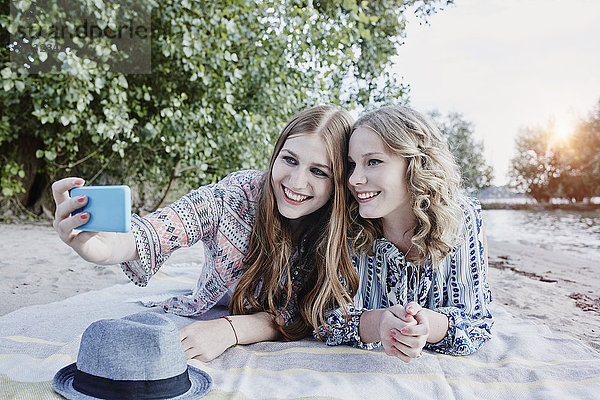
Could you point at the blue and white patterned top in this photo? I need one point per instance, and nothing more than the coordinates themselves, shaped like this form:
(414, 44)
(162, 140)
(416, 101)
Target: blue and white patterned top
(458, 288)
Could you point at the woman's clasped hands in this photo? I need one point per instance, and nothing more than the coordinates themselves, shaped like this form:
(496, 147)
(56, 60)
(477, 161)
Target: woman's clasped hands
(404, 331)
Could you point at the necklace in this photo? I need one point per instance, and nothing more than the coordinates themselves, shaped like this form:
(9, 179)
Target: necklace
(390, 237)
(409, 249)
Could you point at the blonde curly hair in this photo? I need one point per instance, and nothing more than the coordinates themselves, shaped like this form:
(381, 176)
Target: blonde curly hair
(433, 181)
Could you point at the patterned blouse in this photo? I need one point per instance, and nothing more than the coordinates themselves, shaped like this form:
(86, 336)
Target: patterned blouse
(221, 215)
(458, 288)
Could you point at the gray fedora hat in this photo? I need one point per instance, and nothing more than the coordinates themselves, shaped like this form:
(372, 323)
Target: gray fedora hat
(135, 357)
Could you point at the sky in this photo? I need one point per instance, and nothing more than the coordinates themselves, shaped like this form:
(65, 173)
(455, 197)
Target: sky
(505, 65)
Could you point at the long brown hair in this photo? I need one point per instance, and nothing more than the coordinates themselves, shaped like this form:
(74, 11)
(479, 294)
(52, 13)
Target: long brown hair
(267, 284)
(433, 180)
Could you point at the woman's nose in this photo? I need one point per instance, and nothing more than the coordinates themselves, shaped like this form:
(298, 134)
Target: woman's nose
(357, 177)
(299, 180)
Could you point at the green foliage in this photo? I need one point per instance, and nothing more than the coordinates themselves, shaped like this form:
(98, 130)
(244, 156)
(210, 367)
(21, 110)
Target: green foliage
(10, 176)
(534, 168)
(547, 166)
(476, 174)
(225, 77)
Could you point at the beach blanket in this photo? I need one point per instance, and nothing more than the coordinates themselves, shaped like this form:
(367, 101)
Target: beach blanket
(522, 361)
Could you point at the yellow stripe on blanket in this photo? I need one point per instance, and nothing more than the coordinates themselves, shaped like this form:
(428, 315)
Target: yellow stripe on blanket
(466, 360)
(508, 360)
(15, 390)
(53, 357)
(495, 386)
(26, 339)
(298, 371)
(310, 350)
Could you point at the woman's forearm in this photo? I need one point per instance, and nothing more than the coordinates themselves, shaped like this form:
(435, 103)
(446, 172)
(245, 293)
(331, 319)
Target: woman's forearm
(438, 325)
(254, 328)
(368, 327)
(206, 340)
(123, 248)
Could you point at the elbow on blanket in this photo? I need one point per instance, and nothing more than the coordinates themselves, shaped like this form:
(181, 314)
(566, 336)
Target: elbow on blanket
(464, 338)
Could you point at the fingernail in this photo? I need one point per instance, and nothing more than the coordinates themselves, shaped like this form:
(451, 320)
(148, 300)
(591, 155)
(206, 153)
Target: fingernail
(81, 199)
(404, 331)
(84, 215)
(79, 182)
(393, 332)
(409, 309)
(407, 316)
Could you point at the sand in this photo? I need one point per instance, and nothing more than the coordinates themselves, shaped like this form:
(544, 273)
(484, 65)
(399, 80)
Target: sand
(542, 285)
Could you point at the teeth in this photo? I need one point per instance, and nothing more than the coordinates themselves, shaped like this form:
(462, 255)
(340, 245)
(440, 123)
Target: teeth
(366, 195)
(294, 196)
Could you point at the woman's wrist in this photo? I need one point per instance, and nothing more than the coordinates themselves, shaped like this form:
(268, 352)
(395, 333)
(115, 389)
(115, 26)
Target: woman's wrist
(369, 327)
(252, 328)
(438, 325)
(231, 327)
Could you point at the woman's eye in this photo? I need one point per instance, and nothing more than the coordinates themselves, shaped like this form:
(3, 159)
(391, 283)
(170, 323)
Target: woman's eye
(319, 172)
(351, 166)
(373, 162)
(289, 160)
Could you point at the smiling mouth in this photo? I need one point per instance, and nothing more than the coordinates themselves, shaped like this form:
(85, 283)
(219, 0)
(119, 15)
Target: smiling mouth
(366, 196)
(293, 196)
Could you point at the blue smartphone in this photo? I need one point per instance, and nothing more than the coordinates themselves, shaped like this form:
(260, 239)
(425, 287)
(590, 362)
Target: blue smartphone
(109, 208)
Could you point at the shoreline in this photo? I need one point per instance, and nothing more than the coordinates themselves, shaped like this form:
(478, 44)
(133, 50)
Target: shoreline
(540, 206)
(544, 286)
(547, 287)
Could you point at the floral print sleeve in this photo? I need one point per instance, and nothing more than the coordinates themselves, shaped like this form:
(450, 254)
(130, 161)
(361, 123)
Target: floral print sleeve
(457, 288)
(338, 332)
(369, 296)
(461, 290)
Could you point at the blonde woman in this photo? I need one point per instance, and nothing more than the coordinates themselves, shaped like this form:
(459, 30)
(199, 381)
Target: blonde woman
(279, 235)
(418, 244)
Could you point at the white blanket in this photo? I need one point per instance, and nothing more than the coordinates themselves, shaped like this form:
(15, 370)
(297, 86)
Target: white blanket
(522, 361)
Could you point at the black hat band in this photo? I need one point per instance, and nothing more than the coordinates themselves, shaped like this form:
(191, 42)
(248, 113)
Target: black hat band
(105, 388)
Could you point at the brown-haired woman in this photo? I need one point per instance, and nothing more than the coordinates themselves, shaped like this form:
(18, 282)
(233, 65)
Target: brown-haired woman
(279, 235)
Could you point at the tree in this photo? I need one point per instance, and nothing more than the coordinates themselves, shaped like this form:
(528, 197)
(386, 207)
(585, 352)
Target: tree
(584, 156)
(476, 174)
(535, 168)
(225, 76)
(549, 166)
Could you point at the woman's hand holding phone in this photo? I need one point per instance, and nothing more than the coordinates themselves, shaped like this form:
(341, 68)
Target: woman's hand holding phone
(96, 247)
